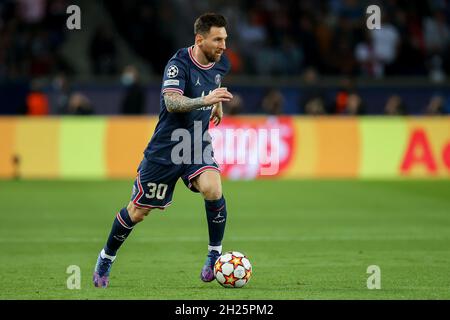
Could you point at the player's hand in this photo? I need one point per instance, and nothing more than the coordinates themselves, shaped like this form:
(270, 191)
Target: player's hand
(218, 95)
(216, 114)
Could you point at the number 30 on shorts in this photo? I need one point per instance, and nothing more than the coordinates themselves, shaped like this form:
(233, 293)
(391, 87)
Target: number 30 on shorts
(158, 190)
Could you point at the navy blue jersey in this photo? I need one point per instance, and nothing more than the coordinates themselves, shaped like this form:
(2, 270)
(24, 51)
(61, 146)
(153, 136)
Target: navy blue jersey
(185, 75)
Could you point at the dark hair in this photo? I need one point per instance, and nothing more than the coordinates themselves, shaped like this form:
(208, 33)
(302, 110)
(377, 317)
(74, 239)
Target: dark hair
(204, 23)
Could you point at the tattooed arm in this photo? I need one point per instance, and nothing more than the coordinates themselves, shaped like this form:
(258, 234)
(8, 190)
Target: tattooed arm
(175, 102)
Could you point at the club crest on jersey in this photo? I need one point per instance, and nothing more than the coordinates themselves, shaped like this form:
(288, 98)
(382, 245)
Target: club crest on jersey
(172, 71)
(218, 79)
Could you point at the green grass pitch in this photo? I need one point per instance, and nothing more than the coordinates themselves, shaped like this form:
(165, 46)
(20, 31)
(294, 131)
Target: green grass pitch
(305, 239)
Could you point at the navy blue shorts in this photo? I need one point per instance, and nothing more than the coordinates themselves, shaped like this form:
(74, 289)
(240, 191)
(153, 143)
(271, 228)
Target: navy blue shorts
(155, 182)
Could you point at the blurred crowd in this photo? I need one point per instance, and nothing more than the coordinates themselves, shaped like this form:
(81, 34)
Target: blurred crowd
(345, 101)
(31, 34)
(272, 37)
(307, 38)
(267, 37)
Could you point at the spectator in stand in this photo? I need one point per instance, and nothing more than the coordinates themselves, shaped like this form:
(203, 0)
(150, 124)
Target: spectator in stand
(365, 56)
(273, 102)
(341, 100)
(348, 101)
(270, 37)
(79, 104)
(385, 43)
(234, 106)
(63, 92)
(435, 106)
(31, 12)
(341, 59)
(235, 58)
(355, 105)
(437, 43)
(395, 106)
(133, 102)
(252, 36)
(37, 101)
(103, 52)
(436, 33)
(313, 101)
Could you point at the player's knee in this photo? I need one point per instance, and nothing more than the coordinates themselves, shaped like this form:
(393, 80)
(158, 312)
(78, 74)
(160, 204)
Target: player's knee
(137, 214)
(212, 193)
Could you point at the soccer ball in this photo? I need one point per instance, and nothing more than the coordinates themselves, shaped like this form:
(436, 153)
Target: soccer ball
(233, 269)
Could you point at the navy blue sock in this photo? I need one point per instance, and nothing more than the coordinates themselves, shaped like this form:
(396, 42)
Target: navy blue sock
(121, 228)
(216, 214)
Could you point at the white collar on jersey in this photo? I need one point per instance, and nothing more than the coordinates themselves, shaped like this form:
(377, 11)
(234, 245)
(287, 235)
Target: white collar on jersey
(198, 64)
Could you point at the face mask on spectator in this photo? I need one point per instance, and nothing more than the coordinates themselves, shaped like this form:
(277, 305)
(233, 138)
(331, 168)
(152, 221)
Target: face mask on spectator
(127, 79)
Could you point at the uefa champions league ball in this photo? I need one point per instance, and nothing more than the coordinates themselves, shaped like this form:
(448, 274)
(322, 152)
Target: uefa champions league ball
(233, 269)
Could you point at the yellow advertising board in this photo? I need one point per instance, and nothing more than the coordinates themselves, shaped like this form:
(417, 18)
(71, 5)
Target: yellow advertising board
(245, 147)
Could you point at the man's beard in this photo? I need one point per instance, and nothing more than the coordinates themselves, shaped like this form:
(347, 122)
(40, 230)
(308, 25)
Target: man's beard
(211, 57)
